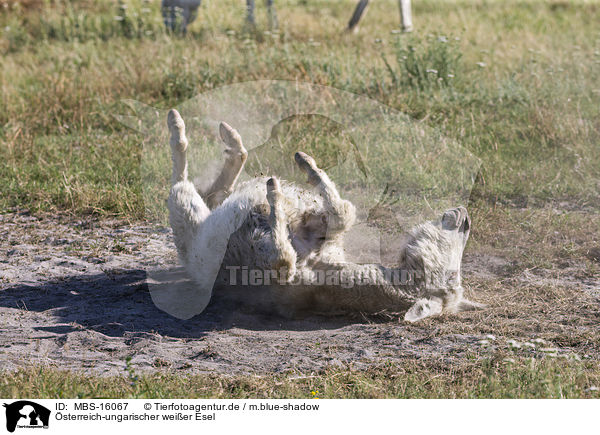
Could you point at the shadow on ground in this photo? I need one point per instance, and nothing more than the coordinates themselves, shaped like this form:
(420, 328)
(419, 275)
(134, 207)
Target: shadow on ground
(118, 303)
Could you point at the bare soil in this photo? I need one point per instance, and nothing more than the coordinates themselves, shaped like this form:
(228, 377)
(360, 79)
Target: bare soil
(73, 295)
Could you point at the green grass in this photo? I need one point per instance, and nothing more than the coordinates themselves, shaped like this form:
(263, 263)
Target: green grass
(530, 111)
(493, 378)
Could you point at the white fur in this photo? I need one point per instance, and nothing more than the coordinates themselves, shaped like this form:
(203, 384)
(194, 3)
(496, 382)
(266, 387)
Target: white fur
(297, 233)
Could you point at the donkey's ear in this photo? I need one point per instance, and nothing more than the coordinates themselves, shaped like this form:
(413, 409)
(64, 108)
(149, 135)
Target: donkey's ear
(423, 308)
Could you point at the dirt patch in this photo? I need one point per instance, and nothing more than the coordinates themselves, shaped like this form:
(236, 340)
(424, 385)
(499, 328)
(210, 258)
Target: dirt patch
(73, 295)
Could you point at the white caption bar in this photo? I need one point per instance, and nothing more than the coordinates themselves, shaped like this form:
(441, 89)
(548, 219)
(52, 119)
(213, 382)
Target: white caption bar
(23, 416)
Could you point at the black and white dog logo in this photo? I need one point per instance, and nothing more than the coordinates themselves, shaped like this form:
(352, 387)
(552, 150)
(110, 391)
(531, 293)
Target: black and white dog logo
(26, 414)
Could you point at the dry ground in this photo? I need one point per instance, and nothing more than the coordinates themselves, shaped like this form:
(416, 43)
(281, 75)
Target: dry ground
(73, 296)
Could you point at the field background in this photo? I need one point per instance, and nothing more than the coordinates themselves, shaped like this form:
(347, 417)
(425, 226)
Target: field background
(523, 95)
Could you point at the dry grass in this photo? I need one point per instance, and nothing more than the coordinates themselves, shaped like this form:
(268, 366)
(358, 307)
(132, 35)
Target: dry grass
(493, 378)
(532, 268)
(21, 4)
(531, 113)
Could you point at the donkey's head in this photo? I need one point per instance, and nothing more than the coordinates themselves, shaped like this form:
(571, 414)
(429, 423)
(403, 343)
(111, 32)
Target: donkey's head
(433, 255)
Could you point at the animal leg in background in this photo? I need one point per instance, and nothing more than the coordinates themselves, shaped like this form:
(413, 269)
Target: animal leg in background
(186, 9)
(273, 23)
(361, 7)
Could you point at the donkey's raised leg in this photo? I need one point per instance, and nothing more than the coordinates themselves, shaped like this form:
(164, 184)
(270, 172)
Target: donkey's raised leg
(187, 210)
(341, 213)
(283, 256)
(235, 158)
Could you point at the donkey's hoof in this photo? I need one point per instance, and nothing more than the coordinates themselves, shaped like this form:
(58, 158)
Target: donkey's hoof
(456, 218)
(307, 164)
(273, 184)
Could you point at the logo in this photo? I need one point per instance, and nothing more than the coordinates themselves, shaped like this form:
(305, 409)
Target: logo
(26, 414)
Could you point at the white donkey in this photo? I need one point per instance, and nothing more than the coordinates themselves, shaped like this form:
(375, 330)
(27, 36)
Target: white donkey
(283, 244)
